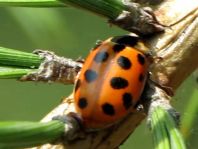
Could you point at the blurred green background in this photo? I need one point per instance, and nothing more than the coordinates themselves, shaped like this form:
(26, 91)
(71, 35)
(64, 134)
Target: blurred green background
(71, 33)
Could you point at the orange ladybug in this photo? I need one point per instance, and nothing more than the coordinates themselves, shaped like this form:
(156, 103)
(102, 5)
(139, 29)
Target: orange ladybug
(111, 81)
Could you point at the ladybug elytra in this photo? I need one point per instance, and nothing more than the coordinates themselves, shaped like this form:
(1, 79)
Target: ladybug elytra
(111, 81)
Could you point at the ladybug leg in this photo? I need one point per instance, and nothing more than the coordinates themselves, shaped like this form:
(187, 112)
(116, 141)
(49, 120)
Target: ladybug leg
(167, 89)
(139, 107)
(80, 60)
(97, 44)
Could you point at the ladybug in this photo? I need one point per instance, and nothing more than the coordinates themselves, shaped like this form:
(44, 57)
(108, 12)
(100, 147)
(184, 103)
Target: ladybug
(111, 81)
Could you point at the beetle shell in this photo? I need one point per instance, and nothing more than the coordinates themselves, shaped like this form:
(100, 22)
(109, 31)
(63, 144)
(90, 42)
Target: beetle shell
(110, 82)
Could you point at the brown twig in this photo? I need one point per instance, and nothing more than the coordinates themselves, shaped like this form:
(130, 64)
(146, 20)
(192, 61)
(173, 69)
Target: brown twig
(54, 69)
(178, 59)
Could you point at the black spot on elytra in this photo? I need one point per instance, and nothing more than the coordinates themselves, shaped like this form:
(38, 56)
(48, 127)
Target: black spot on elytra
(124, 62)
(118, 47)
(101, 57)
(118, 83)
(141, 77)
(77, 85)
(127, 100)
(82, 103)
(125, 40)
(90, 75)
(141, 59)
(108, 109)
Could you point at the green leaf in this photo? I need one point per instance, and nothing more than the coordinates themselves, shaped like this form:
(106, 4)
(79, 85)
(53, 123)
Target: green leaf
(12, 72)
(107, 8)
(12, 57)
(32, 3)
(166, 135)
(14, 63)
(28, 134)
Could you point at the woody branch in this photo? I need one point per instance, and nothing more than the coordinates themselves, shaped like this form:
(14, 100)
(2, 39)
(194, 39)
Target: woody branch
(177, 50)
